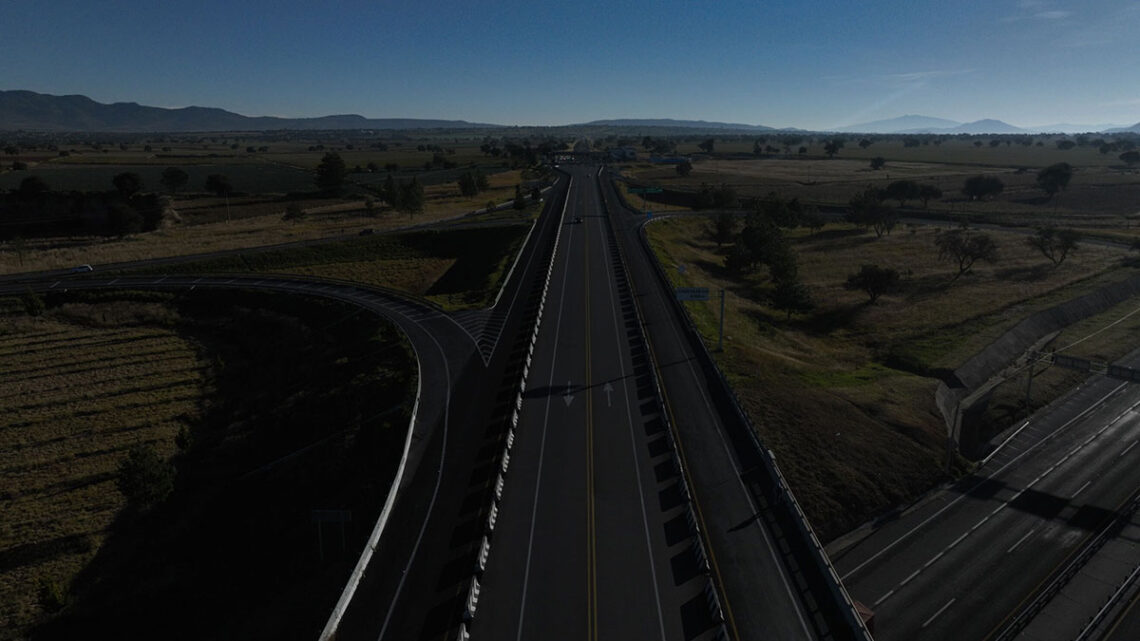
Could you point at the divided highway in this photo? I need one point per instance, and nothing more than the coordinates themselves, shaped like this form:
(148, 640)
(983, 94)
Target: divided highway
(963, 564)
(632, 508)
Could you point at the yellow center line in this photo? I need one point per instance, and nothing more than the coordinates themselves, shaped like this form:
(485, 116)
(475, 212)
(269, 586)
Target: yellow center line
(591, 538)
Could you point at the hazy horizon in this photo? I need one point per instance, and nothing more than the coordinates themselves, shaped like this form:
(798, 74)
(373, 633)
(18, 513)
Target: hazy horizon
(829, 66)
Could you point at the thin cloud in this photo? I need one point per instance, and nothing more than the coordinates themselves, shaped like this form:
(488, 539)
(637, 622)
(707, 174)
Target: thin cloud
(1052, 15)
(1037, 10)
(1130, 102)
(922, 76)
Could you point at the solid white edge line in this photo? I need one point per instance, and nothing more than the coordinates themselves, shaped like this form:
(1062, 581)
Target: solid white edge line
(546, 417)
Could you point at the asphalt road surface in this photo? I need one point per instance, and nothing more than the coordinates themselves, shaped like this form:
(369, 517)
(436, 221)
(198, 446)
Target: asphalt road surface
(592, 539)
(960, 565)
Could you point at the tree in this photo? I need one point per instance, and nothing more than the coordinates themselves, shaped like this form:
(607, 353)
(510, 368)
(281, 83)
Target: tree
(370, 206)
(481, 181)
(979, 187)
(145, 479)
(1055, 178)
(1065, 145)
(520, 201)
(390, 192)
(331, 173)
(878, 162)
(467, 185)
(723, 228)
(812, 219)
(873, 280)
(32, 186)
(33, 304)
(864, 143)
(1054, 244)
(174, 179)
(684, 168)
(902, 191)
(1130, 157)
(867, 209)
(792, 296)
(123, 220)
(926, 193)
(832, 147)
(965, 248)
(127, 183)
(411, 198)
(708, 145)
(219, 184)
(293, 213)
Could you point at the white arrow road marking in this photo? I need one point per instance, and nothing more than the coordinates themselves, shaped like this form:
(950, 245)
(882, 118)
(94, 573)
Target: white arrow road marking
(568, 397)
(608, 389)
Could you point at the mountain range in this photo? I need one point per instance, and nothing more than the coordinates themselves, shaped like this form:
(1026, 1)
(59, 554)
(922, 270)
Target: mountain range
(913, 124)
(31, 111)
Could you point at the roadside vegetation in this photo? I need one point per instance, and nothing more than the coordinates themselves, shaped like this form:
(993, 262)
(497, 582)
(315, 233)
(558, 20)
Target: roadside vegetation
(71, 202)
(161, 455)
(456, 268)
(837, 337)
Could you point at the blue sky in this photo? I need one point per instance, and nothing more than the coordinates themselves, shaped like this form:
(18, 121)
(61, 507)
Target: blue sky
(809, 63)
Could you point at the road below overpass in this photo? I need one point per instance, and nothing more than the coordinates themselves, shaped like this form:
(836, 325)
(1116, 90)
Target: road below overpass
(963, 563)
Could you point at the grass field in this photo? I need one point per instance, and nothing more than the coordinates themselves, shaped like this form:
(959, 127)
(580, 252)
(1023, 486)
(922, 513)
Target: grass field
(1104, 194)
(255, 222)
(845, 395)
(456, 268)
(80, 387)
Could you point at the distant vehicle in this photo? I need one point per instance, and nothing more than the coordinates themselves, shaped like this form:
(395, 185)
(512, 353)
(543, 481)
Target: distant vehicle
(366, 232)
(79, 269)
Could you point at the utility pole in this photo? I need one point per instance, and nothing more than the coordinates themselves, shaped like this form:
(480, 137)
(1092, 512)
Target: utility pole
(720, 340)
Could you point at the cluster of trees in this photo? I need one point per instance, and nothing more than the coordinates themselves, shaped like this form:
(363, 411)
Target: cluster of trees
(472, 183)
(761, 243)
(33, 209)
(407, 197)
(716, 197)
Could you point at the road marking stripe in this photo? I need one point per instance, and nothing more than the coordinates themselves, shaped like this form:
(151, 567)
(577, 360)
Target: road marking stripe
(1130, 446)
(1021, 540)
(957, 540)
(542, 442)
(906, 535)
(1081, 489)
(910, 578)
(940, 611)
(882, 598)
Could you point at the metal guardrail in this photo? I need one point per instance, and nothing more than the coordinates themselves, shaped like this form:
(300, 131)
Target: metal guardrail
(1062, 577)
(804, 529)
(472, 601)
(713, 598)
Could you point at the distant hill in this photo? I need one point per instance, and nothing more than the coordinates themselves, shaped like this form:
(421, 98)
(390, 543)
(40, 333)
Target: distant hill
(1134, 129)
(669, 122)
(31, 111)
(1070, 128)
(898, 125)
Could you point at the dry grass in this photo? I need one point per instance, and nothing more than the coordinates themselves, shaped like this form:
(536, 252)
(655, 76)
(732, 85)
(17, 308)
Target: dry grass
(845, 395)
(326, 218)
(1102, 194)
(79, 388)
